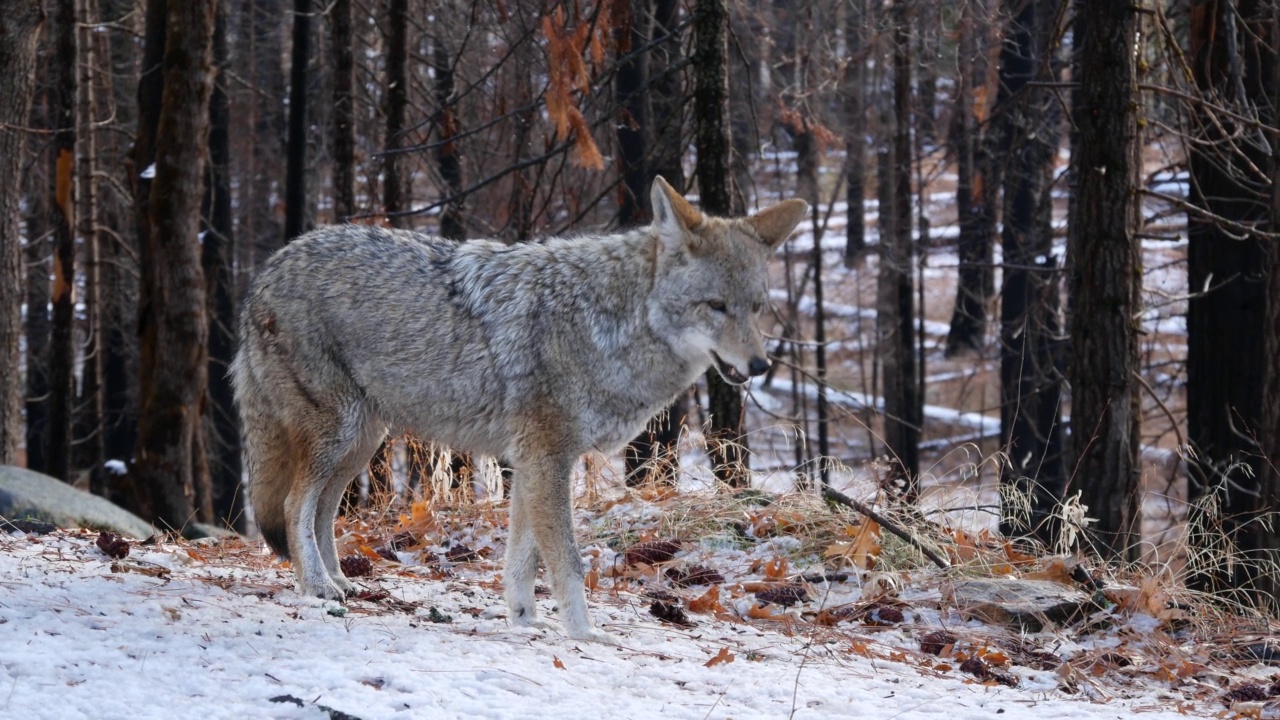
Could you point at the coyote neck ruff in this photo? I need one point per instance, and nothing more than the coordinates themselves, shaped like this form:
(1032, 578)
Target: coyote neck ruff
(534, 353)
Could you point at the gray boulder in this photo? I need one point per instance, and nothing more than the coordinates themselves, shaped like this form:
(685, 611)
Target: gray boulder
(27, 494)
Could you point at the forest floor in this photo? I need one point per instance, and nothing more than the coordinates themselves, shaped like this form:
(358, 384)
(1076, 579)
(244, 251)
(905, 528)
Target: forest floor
(723, 606)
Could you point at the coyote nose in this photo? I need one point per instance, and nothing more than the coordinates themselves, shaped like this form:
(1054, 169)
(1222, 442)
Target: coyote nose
(758, 366)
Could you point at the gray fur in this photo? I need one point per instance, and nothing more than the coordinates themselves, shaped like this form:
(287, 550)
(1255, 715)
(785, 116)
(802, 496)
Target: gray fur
(534, 352)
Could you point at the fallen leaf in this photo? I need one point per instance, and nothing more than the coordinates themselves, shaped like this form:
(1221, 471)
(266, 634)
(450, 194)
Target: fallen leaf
(708, 602)
(724, 656)
(556, 661)
(776, 569)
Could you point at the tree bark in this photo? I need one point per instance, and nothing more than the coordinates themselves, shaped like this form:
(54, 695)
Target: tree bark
(726, 443)
(397, 94)
(295, 182)
(903, 411)
(1105, 278)
(222, 430)
(974, 186)
(853, 87)
(1030, 376)
(90, 425)
(1226, 318)
(18, 34)
(344, 130)
(174, 327)
(62, 344)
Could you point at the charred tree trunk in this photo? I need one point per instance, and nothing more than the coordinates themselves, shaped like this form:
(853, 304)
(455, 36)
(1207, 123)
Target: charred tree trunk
(903, 409)
(18, 34)
(295, 181)
(397, 94)
(62, 344)
(1030, 376)
(1105, 279)
(222, 431)
(37, 276)
(1226, 319)
(447, 157)
(974, 186)
(90, 430)
(727, 443)
(344, 129)
(854, 90)
(1268, 584)
(174, 327)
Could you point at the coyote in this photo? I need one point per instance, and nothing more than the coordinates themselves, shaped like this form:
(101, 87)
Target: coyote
(534, 353)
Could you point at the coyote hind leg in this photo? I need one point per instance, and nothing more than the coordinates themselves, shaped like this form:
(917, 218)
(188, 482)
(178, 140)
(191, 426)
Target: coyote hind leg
(365, 446)
(334, 443)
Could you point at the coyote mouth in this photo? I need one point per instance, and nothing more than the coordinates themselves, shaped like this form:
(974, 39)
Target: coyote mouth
(727, 371)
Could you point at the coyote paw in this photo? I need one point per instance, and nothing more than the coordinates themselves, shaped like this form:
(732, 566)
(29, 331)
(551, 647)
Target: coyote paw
(325, 589)
(344, 585)
(592, 635)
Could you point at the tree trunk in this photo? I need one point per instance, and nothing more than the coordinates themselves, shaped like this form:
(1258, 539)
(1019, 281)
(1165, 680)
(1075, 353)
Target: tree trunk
(1226, 317)
(37, 276)
(174, 328)
(18, 34)
(968, 331)
(91, 422)
(344, 130)
(903, 409)
(1269, 495)
(62, 344)
(726, 443)
(1030, 376)
(217, 252)
(295, 181)
(447, 157)
(1105, 279)
(397, 99)
(854, 89)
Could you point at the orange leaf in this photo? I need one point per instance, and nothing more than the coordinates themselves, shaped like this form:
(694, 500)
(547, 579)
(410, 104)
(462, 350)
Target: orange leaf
(592, 580)
(369, 552)
(709, 602)
(195, 555)
(556, 661)
(758, 612)
(724, 656)
(776, 569)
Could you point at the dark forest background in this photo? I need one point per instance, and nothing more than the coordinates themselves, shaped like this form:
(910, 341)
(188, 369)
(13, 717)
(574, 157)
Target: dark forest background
(1006, 168)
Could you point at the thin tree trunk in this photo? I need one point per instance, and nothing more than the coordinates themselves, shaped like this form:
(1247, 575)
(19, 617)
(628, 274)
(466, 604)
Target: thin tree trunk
(18, 34)
(1105, 279)
(1030, 376)
(397, 94)
(91, 423)
(217, 252)
(1226, 324)
(295, 183)
(854, 90)
(37, 281)
(1268, 584)
(974, 285)
(726, 443)
(344, 130)
(902, 402)
(62, 345)
(175, 329)
(447, 155)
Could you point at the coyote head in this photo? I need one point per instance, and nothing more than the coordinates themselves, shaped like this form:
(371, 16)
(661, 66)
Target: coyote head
(710, 280)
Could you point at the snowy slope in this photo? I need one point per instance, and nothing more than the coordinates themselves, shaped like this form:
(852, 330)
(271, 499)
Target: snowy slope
(221, 633)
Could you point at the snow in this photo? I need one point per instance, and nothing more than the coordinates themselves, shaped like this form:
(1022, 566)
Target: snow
(221, 635)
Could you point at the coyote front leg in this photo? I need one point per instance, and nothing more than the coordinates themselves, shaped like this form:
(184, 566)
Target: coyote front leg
(547, 504)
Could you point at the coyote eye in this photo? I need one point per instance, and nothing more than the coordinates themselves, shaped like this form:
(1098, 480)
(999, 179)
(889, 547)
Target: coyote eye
(756, 308)
(718, 306)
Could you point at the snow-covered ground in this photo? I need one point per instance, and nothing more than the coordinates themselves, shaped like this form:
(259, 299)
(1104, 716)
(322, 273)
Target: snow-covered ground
(216, 631)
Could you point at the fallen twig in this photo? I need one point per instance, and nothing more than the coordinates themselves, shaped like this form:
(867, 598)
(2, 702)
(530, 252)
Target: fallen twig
(836, 496)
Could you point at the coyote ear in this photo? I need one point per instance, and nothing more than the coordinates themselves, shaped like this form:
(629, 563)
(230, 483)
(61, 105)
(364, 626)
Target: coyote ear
(673, 216)
(775, 223)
